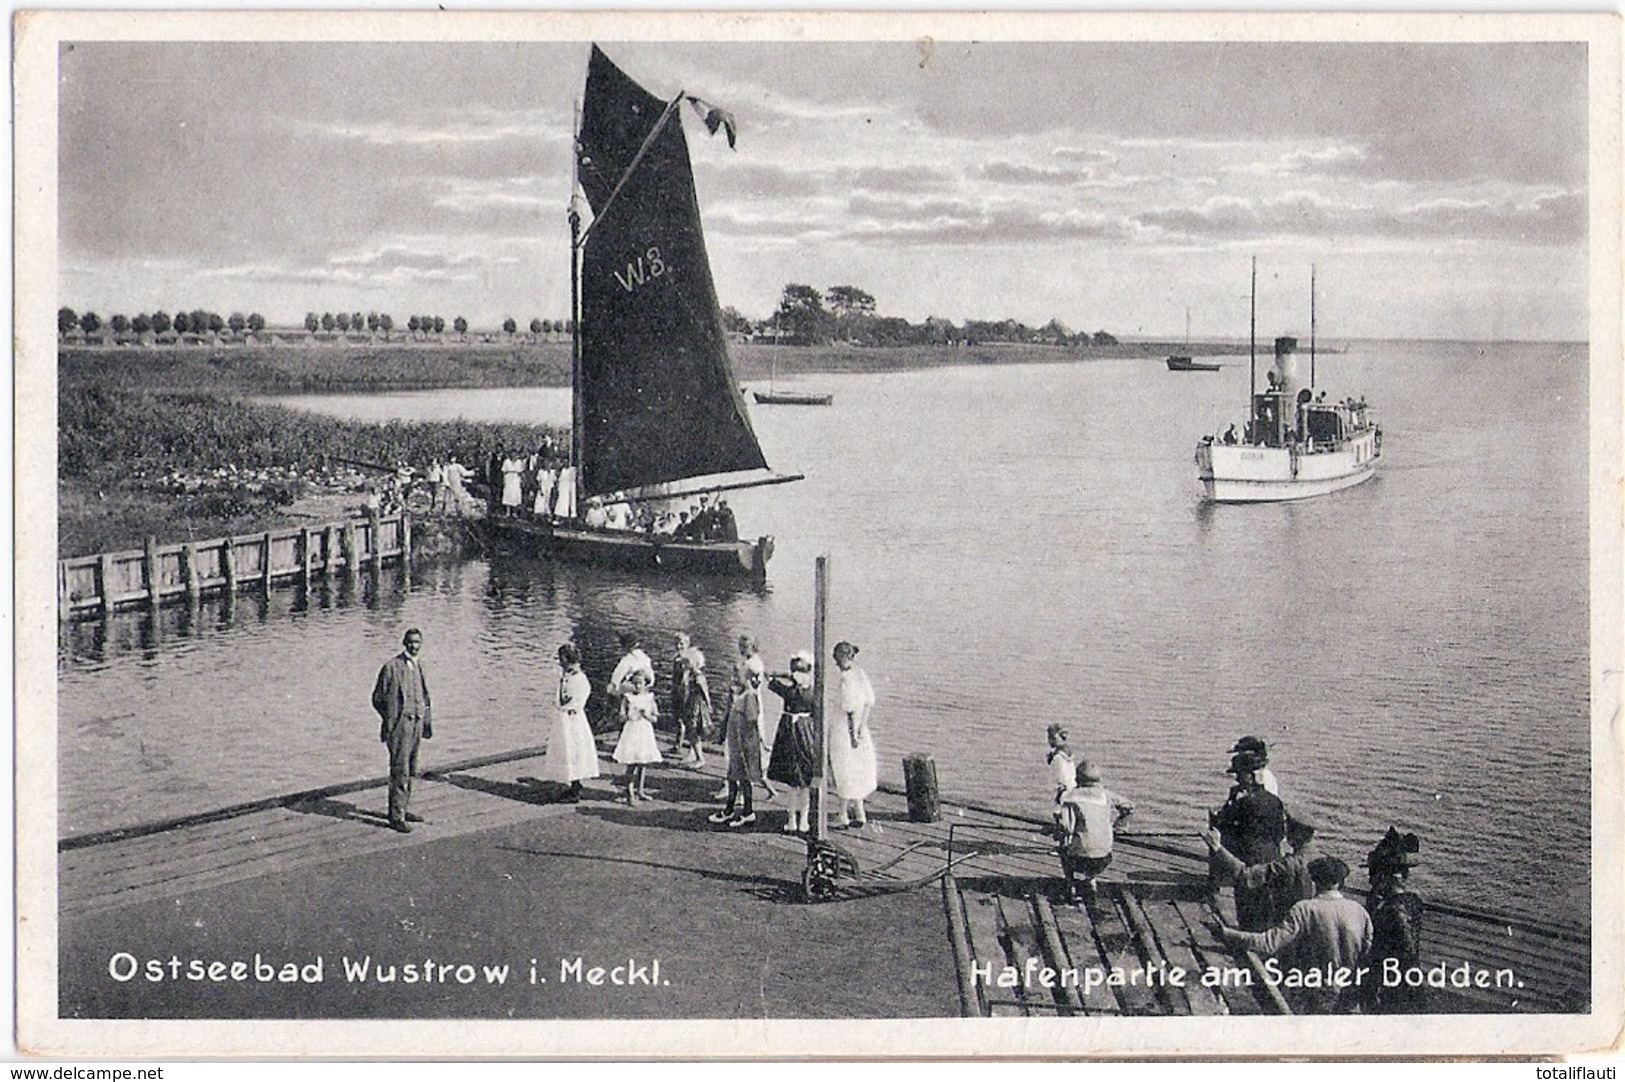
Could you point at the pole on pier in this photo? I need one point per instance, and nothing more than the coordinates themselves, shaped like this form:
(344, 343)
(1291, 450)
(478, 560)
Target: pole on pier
(820, 637)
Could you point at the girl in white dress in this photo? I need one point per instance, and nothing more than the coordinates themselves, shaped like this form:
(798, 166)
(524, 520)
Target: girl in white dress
(513, 468)
(571, 754)
(637, 748)
(851, 745)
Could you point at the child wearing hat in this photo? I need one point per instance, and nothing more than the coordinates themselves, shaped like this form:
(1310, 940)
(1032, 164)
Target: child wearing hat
(1086, 819)
(1063, 767)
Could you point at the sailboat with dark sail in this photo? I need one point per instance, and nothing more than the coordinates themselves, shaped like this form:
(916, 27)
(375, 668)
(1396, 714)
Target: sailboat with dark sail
(657, 411)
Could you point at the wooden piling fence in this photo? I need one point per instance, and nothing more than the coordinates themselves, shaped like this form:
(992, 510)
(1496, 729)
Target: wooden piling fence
(158, 574)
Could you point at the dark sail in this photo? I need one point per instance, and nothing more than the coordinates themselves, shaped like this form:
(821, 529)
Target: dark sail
(658, 398)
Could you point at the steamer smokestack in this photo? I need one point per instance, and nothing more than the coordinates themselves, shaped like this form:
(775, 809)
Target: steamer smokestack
(1286, 366)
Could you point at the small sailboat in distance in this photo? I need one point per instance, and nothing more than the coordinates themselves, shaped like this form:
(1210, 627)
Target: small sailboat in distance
(657, 409)
(1295, 444)
(1182, 362)
(775, 397)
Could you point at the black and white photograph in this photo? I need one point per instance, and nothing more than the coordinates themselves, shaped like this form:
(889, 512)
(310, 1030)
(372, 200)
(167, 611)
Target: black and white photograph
(782, 536)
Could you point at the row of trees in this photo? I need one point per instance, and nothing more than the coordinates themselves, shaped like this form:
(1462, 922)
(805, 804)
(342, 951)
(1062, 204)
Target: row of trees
(805, 316)
(196, 321)
(846, 313)
(199, 321)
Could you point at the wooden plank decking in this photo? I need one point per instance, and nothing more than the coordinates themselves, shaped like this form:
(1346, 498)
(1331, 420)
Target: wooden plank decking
(999, 897)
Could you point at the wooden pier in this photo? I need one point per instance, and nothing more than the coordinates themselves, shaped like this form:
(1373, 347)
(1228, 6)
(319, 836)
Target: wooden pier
(160, 574)
(997, 876)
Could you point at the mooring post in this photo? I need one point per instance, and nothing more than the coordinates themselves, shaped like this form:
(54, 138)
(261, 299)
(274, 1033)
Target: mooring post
(149, 571)
(351, 557)
(189, 571)
(265, 567)
(305, 536)
(375, 528)
(104, 577)
(920, 783)
(330, 545)
(406, 538)
(228, 566)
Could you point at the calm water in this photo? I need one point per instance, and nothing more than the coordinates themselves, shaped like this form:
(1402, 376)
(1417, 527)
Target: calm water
(1010, 546)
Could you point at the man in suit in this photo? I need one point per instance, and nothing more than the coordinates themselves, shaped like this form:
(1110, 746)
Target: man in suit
(401, 698)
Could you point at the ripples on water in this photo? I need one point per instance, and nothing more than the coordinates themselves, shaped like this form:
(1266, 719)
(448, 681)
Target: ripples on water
(1010, 546)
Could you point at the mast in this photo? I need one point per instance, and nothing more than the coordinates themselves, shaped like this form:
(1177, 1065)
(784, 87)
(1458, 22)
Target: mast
(1311, 326)
(576, 413)
(1252, 344)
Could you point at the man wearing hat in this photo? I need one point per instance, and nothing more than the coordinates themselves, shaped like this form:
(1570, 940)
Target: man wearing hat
(1328, 932)
(1260, 752)
(1396, 923)
(1282, 882)
(1085, 819)
(1251, 826)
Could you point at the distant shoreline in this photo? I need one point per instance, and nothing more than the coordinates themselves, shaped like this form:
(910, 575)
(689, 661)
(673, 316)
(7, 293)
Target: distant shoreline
(385, 367)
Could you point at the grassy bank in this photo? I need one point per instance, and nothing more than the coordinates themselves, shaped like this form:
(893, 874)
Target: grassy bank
(317, 369)
(134, 464)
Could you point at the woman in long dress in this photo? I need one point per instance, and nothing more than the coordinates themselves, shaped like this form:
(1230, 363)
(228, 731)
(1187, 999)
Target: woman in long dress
(851, 744)
(795, 759)
(572, 756)
(513, 468)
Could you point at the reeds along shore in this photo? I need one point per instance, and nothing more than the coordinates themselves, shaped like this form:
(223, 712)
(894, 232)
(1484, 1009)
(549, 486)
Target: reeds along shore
(134, 465)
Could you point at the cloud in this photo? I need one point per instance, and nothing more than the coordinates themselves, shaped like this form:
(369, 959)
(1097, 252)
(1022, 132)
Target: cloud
(441, 128)
(1543, 217)
(1008, 172)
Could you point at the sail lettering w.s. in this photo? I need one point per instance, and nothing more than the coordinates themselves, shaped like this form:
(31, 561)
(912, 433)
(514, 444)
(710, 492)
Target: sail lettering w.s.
(646, 266)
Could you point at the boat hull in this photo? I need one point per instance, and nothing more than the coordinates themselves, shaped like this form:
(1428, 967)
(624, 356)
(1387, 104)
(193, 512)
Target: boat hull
(1185, 364)
(1242, 474)
(633, 551)
(791, 398)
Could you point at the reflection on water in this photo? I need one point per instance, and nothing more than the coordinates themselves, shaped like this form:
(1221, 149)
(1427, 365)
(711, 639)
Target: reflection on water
(1009, 546)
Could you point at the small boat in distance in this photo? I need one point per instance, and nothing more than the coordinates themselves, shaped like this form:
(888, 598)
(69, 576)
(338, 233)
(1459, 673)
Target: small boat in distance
(792, 398)
(775, 397)
(1295, 444)
(658, 413)
(1182, 362)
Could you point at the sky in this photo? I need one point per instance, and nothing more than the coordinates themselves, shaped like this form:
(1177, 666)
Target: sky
(1438, 190)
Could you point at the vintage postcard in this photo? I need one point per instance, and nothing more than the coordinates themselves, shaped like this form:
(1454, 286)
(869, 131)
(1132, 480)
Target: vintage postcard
(784, 536)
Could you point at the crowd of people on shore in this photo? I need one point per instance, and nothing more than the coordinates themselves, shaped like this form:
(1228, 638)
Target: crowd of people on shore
(1287, 893)
(761, 747)
(1289, 904)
